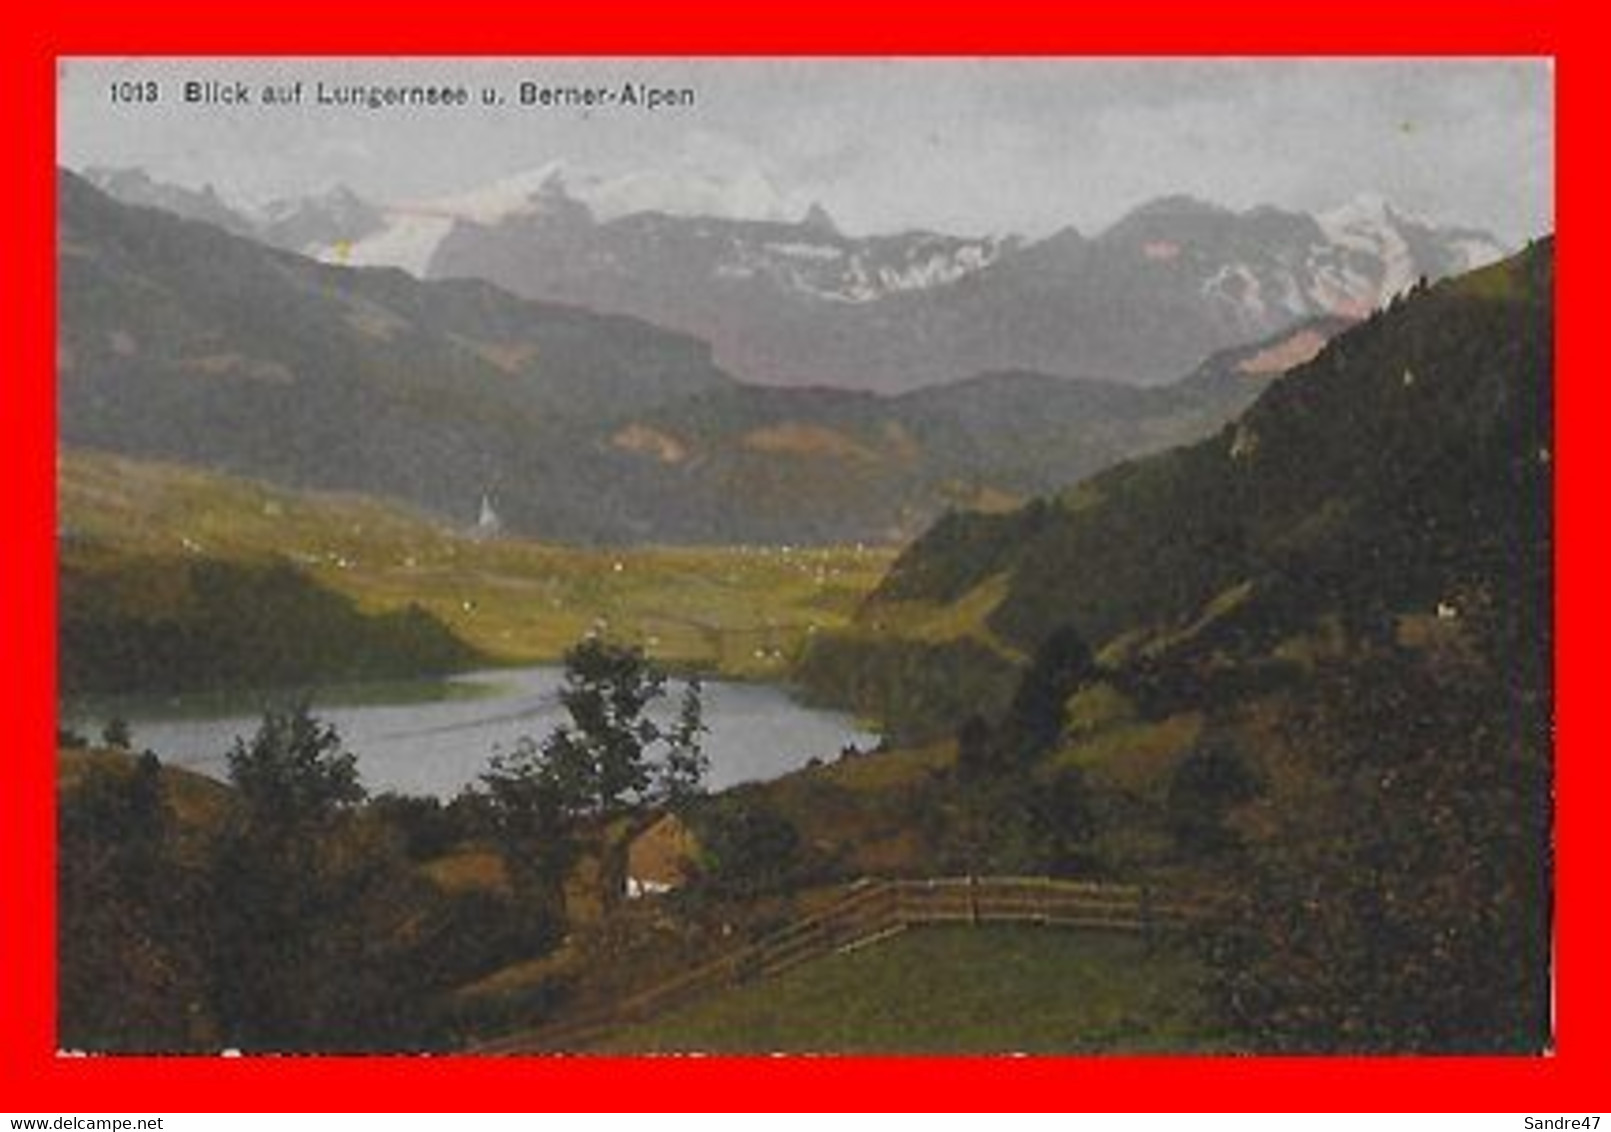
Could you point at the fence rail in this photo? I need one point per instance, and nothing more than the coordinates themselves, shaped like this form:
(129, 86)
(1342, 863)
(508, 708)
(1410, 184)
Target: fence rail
(869, 912)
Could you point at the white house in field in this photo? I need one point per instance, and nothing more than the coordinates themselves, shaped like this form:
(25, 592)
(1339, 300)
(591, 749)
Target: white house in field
(658, 859)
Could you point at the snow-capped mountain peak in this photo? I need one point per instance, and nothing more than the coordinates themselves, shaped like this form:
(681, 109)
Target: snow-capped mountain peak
(1406, 245)
(1367, 224)
(335, 197)
(747, 194)
(1361, 220)
(731, 257)
(1371, 207)
(507, 196)
(1367, 206)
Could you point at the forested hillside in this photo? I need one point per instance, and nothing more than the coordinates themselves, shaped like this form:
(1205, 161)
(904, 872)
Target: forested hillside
(1403, 470)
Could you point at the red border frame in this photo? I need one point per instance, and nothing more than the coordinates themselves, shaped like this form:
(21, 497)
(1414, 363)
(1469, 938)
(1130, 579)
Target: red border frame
(30, 1072)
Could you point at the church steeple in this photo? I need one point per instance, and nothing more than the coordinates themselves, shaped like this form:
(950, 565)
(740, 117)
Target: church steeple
(487, 524)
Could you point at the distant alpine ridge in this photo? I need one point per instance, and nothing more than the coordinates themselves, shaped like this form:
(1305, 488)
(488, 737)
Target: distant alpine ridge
(786, 298)
(182, 342)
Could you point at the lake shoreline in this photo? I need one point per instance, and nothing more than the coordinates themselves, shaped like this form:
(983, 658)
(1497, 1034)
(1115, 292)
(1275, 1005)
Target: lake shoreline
(434, 736)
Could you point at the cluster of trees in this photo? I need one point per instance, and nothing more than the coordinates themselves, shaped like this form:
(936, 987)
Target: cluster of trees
(131, 969)
(297, 916)
(1396, 896)
(153, 623)
(918, 690)
(1375, 837)
(286, 914)
(597, 781)
(1006, 810)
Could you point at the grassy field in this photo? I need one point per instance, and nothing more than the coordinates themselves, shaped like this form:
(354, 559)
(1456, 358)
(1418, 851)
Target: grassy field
(743, 611)
(955, 991)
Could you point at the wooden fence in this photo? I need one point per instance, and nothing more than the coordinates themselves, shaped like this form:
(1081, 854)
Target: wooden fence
(869, 912)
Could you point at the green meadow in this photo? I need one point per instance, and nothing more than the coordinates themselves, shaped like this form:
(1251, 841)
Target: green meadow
(741, 611)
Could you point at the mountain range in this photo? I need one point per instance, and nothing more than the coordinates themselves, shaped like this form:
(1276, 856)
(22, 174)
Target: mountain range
(789, 299)
(182, 340)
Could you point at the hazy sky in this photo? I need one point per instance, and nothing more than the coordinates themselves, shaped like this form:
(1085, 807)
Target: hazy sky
(964, 145)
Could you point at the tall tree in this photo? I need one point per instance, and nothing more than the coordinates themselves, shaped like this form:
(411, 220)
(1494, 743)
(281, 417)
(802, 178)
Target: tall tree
(598, 776)
(294, 774)
(978, 752)
(686, 764)
(290, 879)
(532, 795)
(1035, 718)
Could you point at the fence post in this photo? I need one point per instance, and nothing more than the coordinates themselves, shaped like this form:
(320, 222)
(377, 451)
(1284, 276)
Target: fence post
(1148, 914)
(973, 900)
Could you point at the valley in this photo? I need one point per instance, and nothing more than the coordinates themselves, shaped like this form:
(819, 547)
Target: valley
(183, 343)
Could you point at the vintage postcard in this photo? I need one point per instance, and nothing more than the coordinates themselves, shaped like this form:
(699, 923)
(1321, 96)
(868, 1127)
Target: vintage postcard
(949, 556)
